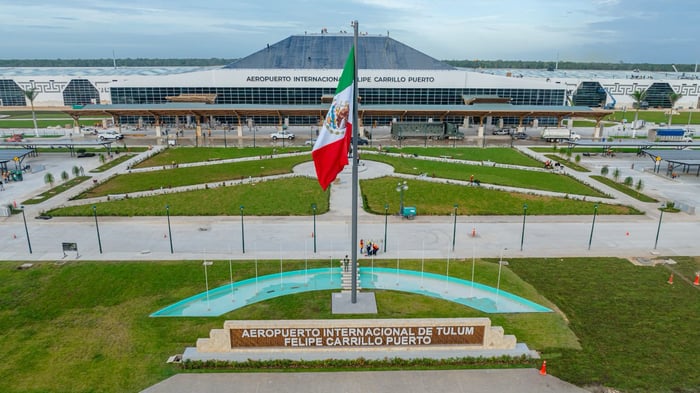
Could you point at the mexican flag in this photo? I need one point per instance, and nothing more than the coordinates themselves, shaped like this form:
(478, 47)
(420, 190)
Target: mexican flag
(330, 152)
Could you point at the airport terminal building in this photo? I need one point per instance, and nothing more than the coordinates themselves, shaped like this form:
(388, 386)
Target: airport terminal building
(303, 71)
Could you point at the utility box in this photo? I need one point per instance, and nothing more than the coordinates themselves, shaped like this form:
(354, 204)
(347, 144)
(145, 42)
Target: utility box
(409, 212)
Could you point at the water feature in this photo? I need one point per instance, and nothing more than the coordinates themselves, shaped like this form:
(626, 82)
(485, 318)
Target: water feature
(253, 290)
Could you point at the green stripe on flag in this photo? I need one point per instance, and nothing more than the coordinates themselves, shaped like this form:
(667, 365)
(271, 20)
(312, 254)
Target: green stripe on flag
(348, 75)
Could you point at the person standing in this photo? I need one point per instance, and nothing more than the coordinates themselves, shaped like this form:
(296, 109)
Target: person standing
(362, 246)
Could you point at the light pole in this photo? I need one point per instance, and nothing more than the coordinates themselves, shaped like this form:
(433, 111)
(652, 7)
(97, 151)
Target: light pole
(522, 236)
(658, 228)
(454, 227)
(97, 227)
(313, 207)
(227, 128)
(498, 281)
(595, 212)
(242, 231)
(206, 280)
(386, 215)
(170, 234)
(24, 218)
(400, 188)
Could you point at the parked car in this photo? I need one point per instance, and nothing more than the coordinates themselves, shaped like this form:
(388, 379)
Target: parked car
(15, 138)
(502, 131)
(520, 135)
(110, 135)
(310, 142)
(282, 135)
(361, 141)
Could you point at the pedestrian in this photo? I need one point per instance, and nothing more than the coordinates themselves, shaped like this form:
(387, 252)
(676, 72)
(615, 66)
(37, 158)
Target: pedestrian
(375, 248)
(369, 247)
(346, 263)
(2, 186)
(362, 246)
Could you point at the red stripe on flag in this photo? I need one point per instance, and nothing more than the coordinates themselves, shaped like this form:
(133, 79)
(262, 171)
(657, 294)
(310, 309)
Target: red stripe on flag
(330, 159)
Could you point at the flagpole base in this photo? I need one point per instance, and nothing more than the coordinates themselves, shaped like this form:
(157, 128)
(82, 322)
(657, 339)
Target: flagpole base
(341, 303)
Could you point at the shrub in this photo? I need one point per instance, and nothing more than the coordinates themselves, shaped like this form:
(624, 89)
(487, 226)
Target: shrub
(604, 170)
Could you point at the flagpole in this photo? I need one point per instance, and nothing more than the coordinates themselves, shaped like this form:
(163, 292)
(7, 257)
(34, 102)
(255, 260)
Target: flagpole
(355, 187)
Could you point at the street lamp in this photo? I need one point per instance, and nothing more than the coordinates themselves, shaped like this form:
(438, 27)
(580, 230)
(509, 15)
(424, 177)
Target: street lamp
(595, 212)
(24, 218)
(658, 228)
(400, 188)
(206, 280)
(170, 234)
(97, 227)
(498, 281)
(313, 207)
(454, 227)
(227, 128)
(386, 215)
(522, 236)
(242, 231)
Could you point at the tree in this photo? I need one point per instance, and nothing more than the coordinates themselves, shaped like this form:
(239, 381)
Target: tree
(616, 174)
(639, 186)
(49, 179)
(604, 170)
(31, 94)
(76, 171)
(629, 181)
(64, 176)
(638, 96)
(577, 158)
(673, 98)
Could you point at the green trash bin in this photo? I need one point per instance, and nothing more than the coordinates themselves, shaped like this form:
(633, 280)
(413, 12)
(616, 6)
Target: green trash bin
(409, 212)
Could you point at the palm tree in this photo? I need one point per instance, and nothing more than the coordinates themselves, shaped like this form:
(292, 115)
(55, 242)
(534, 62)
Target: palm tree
(639, 96)
(673, 98)
(31, 94)
(49, 179)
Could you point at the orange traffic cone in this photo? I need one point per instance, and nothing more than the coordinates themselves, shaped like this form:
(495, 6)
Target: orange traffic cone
(543, 369)
(670, 279)
(697, 279)
(627, 233)
(312, 234)
(473, 232)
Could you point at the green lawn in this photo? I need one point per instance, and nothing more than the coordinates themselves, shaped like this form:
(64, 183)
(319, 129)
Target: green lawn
(183, 155)
(438, 199)
(624, 189)
(638, 333)
(56, 190)
(175, 177)
(521, 178)
(283, 197)
(500, 155)
(84, 326)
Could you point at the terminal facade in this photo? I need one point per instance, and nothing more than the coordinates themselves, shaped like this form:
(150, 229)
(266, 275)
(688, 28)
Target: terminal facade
(304, 70)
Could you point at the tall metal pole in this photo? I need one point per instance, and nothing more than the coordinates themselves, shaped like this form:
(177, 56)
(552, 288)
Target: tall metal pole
(658, 229)
(454, 228)
(206, 280)
(313, 207)
(242, 231)
(24, 218)
(97, 227)
(522, 236)
(590, 238)
(386, 215)
(170, 234)
(355, 187)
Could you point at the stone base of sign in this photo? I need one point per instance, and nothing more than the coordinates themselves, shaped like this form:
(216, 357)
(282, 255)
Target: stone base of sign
(438, 338)
(341, 303)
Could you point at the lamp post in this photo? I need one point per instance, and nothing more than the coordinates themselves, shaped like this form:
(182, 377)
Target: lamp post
(24, 218)
(313, 207)
(242, 231)
(454, 227)
(206, 280)
(97, 227)
(522, 236)
(595, 212)
(658, 228)
(170, 234)
(400, 188)
(227, 128)
(386, 215)
(498, 281)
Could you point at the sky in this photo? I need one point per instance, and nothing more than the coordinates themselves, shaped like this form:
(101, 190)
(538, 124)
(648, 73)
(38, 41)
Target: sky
(630, 31)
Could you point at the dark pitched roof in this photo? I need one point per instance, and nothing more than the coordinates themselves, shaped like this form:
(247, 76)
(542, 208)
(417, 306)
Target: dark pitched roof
(329, 51)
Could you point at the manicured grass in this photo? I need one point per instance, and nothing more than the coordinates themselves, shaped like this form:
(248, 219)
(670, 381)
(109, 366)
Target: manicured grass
(566, 163)
(492, 154)
(490, 175)
(183, 155)
(438, 199)
(638, 333)
(112, 163)
(56, 190)
(282, 197)
(175, 177)
(84, 326)
(655, 116)
(624, 189)
(41, 123)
